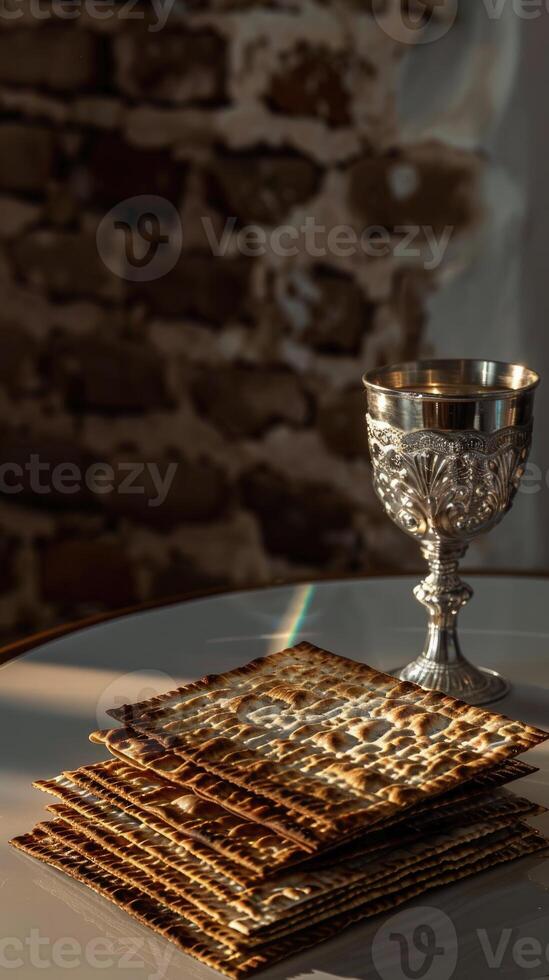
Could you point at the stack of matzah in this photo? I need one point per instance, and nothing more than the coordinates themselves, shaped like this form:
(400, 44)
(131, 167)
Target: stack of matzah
(253, 814)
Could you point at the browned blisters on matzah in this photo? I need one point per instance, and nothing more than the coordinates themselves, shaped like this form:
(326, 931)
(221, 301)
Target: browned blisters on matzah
(175, 845)
(299, 893)
(188, 937)
(295, 894)
(136, 748)
(110, 781)
(247, 842)
(118, 832)
(189, 876)
(136, 877)
(335, 737)
(95, 806)
(281, 895)
(491, 779)
(213, 894)
(386, 877)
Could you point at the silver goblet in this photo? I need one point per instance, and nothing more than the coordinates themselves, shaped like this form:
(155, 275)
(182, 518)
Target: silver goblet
(449, 442)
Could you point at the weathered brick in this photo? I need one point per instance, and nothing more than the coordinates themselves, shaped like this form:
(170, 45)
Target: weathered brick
(411, 288)
(30, 103)
(195, 491)
(99, 111)
(293, 130)
(244, 402)
(8, 557)
(340, 315)
(26, 157)
(108, 376)
(210, 288)
(43, 473)
(184, 575)
(62, 208)
(17, 215)
(260, 187)
(341, 423)
(58, 58)
(181, 66)
(414, 187)
(189, 131)
(65, 264)
(84, 573)
(312, 82)
(304, 522)
(118, 170)
(236, 535)
(18, 352)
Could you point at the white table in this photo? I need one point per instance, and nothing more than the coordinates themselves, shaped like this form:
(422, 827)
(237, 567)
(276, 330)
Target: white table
(52, 697)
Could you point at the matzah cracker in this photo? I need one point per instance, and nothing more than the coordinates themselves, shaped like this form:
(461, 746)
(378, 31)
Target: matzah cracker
(167, 840)
(316, 913)
(139, 750)
(182, 932)
(297, 894)
(135, 748)
(139, 878)
(385, 878)
(96, 816)
(236, 839)
(326, 735)
(187, 937)
(115, 831)
(118, 833)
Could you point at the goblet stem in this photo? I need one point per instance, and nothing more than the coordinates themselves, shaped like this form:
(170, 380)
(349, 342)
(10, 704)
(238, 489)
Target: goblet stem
(443, 593)
(442, 665)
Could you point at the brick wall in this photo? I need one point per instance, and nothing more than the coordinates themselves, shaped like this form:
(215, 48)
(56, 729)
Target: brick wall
(242, 370)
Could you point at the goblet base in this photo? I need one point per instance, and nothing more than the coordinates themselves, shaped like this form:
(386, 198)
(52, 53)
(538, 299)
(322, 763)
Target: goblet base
(475, 685)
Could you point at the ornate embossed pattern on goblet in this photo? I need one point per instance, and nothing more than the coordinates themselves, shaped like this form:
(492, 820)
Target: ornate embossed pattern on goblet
(449, 441)
(449, 484)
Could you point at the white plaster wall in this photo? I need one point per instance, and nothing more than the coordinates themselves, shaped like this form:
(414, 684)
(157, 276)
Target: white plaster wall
(494, 76)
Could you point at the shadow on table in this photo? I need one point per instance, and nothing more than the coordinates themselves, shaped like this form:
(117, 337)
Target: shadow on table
(35, 741)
